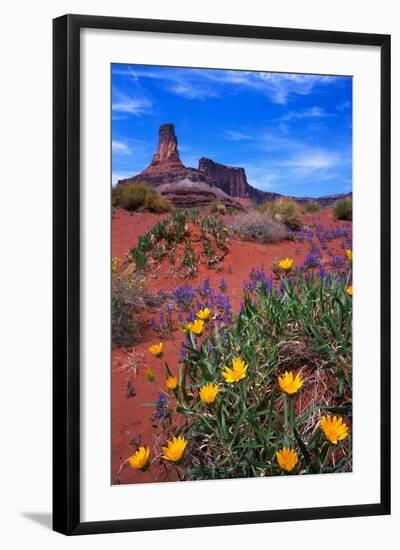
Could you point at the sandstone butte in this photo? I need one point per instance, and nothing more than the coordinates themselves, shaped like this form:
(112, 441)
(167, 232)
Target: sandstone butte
(212, 181)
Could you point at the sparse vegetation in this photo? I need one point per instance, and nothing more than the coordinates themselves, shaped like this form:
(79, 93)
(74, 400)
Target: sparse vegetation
(343, 209)
(312, 206)
(258, 226)
(218, 208)
(133, 196)
(283, 210)
(128, 296)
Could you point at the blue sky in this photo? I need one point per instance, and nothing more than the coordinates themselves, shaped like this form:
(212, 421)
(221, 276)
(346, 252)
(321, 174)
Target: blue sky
(291, 132)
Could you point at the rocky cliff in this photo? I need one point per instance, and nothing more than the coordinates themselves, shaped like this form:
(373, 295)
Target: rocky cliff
(233, 181)
(166, 168)
(166, 165)
(230, 179)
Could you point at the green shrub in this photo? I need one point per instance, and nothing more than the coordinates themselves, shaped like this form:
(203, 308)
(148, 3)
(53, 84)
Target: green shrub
(154, 203)
(128, 295)
(258, 226)
(136, 195)
(343, 209)
(218, 208)
(312, 206)
(284, 210)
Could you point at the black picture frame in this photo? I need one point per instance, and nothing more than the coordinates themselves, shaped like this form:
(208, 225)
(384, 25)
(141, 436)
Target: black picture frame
(66, 272)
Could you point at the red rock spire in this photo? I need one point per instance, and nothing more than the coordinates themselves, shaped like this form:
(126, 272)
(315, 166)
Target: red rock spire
(167, 155)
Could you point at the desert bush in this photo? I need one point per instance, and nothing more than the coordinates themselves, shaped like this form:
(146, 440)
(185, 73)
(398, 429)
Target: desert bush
(218, 208)
(131, 196)
(284, 210)
(312, 206)
(343, 209)
(154, 203)
(136, 195)
(258, 226)
(128, 296)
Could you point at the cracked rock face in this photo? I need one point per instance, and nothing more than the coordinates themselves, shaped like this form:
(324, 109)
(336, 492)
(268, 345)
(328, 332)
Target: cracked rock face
(230, 179)
(167, 154)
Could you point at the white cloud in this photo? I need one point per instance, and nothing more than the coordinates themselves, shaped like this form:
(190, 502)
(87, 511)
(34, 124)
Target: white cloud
(312, 112)
(190, 90)
(121, 147)
(311, 160)
(280, 88)
(136, 106)
(235, 135)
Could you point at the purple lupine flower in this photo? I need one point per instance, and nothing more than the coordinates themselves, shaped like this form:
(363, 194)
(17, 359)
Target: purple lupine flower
(222, 285)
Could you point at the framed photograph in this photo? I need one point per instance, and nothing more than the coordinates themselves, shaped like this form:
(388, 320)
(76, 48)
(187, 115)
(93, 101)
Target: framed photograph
(221, 274)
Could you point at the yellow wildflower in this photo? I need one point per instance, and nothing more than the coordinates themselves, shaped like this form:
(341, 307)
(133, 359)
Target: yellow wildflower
(196, 327)
(171, 382)
(237, 372)
(204, 314)
(174, 449)
(287, 459)
(349, 254)
(208, 393)
(349, 290)
(286, 264)
(334, 429)
(140, 459)
(156, 349)
(290, 385)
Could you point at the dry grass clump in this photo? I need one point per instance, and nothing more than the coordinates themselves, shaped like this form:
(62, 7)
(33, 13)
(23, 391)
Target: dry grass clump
(258, 226)
(133, 196)
(312, 206)
(343, 209)
(283, 210)
(218, 208)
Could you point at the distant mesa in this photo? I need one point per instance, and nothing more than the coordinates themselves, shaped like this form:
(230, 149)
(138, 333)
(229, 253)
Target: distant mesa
(189, 187)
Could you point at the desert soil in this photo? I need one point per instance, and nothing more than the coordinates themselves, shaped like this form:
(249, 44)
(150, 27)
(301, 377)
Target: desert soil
(130, 419)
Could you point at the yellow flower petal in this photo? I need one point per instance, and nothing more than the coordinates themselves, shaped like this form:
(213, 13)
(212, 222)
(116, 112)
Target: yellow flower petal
(140, 459)
(287, 459)
(334, 428)
(156, 349)
(286, 264)
(349, 290)
(196, 327)
(171, 382)
(208, 393)
(174, 449)
(290, 384)
(237, 372)
(204, 314)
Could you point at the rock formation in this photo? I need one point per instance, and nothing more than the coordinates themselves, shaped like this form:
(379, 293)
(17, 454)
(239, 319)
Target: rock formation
(214, 181)
(228, 178)
(167, 156)
(189, 194)
(233, 181)
(166, 166)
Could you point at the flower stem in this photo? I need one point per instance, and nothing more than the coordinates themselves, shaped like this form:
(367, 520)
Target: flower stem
(291, 419)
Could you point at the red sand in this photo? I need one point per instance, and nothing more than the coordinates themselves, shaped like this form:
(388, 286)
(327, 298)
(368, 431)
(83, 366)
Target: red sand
(130, 419)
